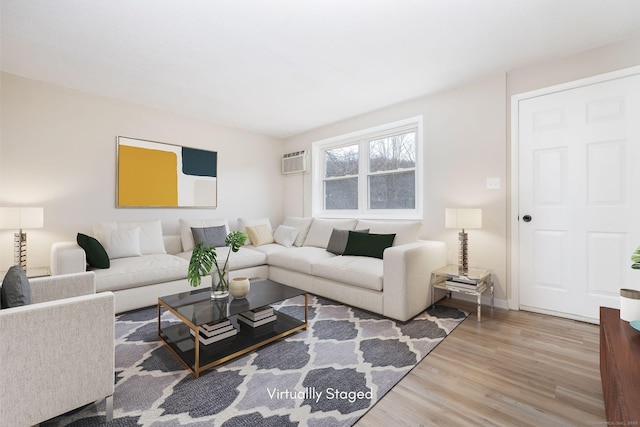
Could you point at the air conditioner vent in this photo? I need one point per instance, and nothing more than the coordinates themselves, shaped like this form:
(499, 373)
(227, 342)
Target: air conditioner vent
(295, 162)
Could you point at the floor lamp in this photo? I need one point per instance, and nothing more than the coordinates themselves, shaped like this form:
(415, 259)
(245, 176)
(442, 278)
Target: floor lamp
(463, 219)
(21, 218)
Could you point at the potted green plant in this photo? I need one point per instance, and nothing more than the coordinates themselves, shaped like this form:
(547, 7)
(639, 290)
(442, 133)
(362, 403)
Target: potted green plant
(203, 259)
(635, 257)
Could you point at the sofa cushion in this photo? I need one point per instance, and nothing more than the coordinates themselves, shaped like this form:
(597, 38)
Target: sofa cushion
(247, 256)
(185, 229)
(151, 240)
(15, 291)
(320, 230)
(368, 245)
(338, 240)
(298, 259)
(285, 236)
(405, 231)
(260, 234)
(121, 242)
(210, 236)
(172, 243)
(358, 271)
(302, 224)
(244, 258)
(144, 270)
(268, 249)
(95, 253)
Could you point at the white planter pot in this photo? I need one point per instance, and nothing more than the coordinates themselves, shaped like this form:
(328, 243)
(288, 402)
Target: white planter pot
(629, 304)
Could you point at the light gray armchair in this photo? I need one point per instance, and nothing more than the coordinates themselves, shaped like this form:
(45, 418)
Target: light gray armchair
(57, 354)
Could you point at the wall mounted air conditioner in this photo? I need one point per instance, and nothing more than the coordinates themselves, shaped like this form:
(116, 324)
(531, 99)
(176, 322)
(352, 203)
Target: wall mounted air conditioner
(294, 162)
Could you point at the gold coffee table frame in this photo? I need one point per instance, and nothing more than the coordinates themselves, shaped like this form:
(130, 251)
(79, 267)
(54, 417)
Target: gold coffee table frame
(197, 358)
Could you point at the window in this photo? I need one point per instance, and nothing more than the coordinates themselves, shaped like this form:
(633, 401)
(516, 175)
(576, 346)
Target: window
(341, 178)
(369, 174)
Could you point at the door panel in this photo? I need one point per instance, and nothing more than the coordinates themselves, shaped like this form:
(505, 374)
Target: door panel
(607, 173)
(579, 158)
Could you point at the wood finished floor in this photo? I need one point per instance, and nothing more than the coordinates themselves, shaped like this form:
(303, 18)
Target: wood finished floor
(515, 368)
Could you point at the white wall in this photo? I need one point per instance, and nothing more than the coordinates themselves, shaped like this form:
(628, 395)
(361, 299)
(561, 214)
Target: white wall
(464, 144)
(58, 150)
(585, 64)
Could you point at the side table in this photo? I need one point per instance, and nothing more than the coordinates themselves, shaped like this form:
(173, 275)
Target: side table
(451, 278)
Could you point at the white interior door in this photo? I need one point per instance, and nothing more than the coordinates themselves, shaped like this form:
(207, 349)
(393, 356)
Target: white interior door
(579, 190)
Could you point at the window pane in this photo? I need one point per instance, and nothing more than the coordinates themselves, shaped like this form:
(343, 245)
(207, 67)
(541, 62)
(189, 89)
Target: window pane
(392, 153)
(341, 194)
(341, 161)
(392, 191)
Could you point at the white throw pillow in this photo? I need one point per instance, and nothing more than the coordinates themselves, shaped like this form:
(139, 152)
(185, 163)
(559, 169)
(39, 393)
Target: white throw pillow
(405, 231)
(321, 229)
(243, 223)
(121, 242)
(285, 236)
(151, 240)
(302, 224)
(187, 236)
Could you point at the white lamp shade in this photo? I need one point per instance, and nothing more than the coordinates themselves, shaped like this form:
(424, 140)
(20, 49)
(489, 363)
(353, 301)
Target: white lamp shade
(464, 218)
(19, 218)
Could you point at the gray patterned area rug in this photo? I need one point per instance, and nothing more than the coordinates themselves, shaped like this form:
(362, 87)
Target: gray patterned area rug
(328, 375)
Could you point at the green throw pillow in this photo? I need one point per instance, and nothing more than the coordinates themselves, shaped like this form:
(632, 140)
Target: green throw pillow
(96, 255)
(371, 245)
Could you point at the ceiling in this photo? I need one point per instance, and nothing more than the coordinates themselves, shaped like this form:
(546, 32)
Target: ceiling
(281, 67)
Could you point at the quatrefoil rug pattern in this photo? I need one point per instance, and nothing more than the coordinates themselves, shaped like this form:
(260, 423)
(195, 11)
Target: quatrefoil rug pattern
(328, 375)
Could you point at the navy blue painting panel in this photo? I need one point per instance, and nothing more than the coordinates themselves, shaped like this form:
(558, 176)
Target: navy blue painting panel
(199, 162)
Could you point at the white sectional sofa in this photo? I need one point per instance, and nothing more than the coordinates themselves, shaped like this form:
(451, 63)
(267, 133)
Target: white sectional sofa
(395, 285)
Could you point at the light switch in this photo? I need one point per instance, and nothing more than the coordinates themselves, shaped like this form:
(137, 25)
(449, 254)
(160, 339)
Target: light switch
(493, 183)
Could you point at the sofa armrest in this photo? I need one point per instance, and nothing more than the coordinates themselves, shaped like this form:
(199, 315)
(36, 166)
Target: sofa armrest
(52, 288)
(407, 273)
(56, 356)
(67, 258)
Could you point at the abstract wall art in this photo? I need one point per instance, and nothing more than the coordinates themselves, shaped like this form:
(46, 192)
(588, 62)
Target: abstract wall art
(155, 174)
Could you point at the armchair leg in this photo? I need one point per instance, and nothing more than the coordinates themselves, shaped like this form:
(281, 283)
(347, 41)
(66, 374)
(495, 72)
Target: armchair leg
(109, 404)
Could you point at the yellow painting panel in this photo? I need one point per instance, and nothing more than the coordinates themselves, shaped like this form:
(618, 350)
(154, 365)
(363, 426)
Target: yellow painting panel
(147, 177)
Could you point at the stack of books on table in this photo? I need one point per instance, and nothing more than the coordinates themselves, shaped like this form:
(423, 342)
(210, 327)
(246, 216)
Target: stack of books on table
(258, 317)
(462, 282)
(214, 332)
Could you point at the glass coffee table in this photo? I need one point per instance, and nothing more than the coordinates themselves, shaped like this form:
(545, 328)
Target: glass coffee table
(227, 327)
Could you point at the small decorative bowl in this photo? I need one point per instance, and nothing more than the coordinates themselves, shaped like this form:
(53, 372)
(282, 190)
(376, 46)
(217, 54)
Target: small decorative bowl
(239, 287)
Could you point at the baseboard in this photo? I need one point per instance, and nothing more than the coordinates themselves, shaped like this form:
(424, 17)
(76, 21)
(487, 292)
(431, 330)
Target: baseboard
(561, 314)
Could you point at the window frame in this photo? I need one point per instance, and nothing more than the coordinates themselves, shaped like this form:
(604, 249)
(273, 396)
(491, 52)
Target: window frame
(362, 139)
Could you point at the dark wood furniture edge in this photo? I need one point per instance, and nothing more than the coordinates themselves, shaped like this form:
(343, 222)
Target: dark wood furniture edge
(619, 368)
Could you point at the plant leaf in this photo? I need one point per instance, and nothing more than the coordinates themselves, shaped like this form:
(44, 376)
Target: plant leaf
(235, 240)
(200, 264)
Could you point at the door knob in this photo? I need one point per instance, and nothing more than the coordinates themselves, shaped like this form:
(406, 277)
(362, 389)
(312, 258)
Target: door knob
(526, 218)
